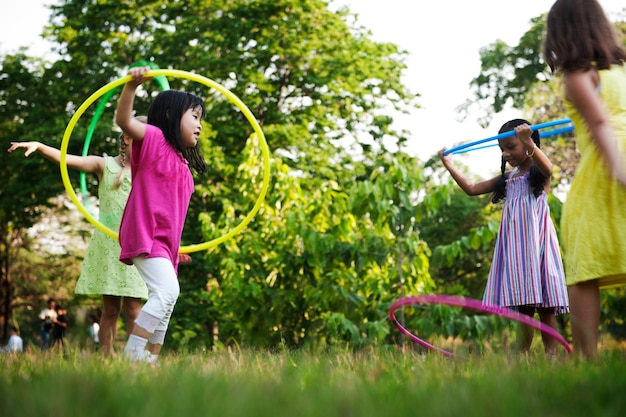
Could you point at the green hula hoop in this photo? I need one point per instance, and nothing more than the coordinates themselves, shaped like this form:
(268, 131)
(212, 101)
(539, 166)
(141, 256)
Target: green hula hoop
(193, 77)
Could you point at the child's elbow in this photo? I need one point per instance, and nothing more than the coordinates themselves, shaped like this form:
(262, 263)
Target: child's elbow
(547, 170)
(120, 121)
(470, 190)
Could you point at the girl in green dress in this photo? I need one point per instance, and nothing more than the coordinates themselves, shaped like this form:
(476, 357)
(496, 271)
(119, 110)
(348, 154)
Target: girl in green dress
(102, 273)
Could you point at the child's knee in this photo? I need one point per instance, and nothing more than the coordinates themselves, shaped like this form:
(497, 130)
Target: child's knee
(170, 295)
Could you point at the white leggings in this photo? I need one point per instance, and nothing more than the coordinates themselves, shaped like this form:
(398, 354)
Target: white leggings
(163, 291)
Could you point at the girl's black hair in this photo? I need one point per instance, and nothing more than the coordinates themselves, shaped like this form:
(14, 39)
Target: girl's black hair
(166, 111)
(536, 179)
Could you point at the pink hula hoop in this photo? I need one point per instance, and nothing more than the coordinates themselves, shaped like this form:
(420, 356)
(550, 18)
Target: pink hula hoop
(472, 304)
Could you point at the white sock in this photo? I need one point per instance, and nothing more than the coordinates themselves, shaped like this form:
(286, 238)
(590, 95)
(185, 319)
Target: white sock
(153, 358)
(135, 347)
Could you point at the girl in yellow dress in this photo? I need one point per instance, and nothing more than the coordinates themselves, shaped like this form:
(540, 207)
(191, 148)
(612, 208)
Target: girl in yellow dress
(582, 45)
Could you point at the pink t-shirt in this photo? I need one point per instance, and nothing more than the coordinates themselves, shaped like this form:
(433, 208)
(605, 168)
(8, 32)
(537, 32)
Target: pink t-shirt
(154, 216)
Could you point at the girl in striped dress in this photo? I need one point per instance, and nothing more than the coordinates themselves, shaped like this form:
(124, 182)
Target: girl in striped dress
(526, 271)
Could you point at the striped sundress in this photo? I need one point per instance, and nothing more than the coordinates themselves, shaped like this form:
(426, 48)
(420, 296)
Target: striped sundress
(526, 268)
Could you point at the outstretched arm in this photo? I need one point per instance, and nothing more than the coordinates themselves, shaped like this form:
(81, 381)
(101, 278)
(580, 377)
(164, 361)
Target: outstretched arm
(466, 185)
(90, 164)
(124, 114)
(581, 88)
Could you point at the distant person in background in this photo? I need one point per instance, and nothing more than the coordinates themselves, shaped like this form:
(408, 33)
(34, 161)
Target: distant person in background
(47, 315)
(582, 45)
(59, 325)
(15, 343)
(93, 332)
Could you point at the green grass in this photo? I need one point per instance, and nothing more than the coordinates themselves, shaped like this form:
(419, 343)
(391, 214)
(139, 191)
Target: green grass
(377, 382)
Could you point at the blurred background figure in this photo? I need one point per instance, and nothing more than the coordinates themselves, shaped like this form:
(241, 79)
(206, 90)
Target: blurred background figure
(47, 316)
(59, 324)
(15, 344)
(93, 339)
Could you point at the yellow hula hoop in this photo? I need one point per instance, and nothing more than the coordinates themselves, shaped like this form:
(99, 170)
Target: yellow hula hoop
(180, 74)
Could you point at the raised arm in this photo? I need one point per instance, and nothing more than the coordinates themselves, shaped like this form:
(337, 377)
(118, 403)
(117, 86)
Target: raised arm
(90, 164)
(581, 88)
(124, 114)
(541, 161)
(466, 185)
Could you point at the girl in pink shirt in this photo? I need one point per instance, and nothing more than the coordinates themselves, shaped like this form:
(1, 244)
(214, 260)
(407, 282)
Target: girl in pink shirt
(164, 152)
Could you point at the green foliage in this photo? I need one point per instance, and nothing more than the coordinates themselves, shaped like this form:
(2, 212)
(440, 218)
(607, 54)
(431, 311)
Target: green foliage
(613, 312)
(507, 72)
(312, 81)
(350, 219)
(462, 235)
(318, 266)
(308, 77)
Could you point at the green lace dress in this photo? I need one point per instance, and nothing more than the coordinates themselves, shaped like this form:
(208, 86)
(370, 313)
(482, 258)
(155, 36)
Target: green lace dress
(102, 272)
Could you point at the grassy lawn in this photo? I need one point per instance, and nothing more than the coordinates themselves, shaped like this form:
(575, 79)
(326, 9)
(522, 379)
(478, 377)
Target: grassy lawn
(376, 382)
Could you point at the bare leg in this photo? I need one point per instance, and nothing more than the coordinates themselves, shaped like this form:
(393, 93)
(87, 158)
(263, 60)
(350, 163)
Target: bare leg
(108, 322)
(141, 332)
(154, 349)
(584, 301)
(525, 333)
(132, 307)
(547, 317)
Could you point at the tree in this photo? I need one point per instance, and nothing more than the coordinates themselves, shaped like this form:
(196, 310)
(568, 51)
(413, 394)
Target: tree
(320, 266)
(320, 88)
(309, 78)
(46, 264)
(508, 73)
(31, 109)
(462, 237)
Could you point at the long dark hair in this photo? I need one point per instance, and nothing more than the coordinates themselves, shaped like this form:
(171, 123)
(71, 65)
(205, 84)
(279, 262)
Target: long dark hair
(166, 111)
(580, 37)
(536, 179)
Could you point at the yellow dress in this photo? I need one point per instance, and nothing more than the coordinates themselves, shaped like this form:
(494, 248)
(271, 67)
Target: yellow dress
(593, 225)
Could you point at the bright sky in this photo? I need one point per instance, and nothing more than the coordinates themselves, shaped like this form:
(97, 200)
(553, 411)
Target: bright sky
(443, 39)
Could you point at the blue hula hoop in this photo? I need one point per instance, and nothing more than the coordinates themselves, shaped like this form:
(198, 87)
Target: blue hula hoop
(473, 145)
(542, 135)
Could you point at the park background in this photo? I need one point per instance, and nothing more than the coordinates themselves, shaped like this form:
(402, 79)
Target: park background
(358, 213)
